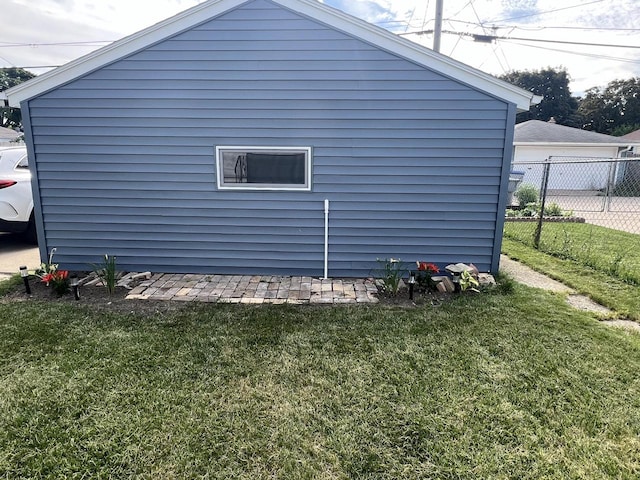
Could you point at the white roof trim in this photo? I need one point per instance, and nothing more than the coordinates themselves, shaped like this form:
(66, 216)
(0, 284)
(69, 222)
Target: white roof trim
(312, 8)
(580, 144)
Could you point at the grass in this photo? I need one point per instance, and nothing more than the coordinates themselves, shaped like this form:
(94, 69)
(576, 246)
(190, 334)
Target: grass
(486, 386)
(10, 284)
(602, 249)
(604, 288)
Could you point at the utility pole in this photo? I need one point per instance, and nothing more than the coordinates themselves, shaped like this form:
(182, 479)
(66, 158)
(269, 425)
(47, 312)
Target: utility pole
(437, 31)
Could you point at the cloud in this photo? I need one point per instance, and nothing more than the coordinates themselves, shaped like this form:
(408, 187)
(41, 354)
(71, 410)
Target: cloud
(370, 10)
(55, 21)
(519, 9)
(619, 14)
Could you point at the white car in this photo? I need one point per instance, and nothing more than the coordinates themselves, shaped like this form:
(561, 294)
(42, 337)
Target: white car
(16, 199)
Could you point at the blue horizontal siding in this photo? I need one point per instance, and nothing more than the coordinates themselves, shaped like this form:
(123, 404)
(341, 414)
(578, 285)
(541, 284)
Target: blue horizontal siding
(365, 134)
(328, 163)
(409, 159)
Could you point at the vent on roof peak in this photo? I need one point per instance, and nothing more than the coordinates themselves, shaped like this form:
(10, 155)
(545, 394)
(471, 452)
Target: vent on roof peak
(552, 120)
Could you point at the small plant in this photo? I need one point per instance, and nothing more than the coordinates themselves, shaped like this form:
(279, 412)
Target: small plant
(390, 273)
(553, 210)
(526, 194)
(505, 285)
(614, 267)
(107, 272)
(468, 282)
(59, 281)
(424, 276)
(47, 268)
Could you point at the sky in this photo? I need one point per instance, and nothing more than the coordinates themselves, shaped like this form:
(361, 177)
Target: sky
(48, 33)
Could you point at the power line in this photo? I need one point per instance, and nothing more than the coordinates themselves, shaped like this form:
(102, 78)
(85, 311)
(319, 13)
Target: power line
(490, 38)
(539, 28)
(545, 12)
(33, 67)
(569, 42)
(582, 54)
(426, 10)
(57, 44)
(603, 29)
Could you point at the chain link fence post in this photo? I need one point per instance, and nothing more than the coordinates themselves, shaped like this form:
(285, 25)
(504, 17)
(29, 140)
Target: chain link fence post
(543, 198)
(611, 182)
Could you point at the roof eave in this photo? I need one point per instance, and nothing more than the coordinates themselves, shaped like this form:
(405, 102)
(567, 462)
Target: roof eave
(312, 8)
(575, 144)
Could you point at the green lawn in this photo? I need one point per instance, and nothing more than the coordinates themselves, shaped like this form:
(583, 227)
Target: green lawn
(487, 386)
(604, 288)
(603, 249)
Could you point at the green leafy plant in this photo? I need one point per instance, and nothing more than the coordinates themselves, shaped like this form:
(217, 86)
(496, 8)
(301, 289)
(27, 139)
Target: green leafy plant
(424, 276)
(107, 272)
(59, 281)
(47, 268)
(468, 282)
(390, 273)
(526, 194)
(553, 210)
(533, 209)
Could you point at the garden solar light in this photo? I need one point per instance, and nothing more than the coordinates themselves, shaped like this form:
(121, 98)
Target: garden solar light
(74, 287)
(25, 278)
(412, 282)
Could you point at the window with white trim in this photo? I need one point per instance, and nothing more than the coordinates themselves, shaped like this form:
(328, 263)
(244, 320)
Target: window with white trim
(263, 168)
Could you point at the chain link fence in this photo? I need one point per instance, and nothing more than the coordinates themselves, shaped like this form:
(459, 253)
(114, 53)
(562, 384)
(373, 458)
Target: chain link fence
(577, 208)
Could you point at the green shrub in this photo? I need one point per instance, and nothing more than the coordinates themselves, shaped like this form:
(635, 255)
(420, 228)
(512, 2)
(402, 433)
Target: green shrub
(526, 194)
(553, 210)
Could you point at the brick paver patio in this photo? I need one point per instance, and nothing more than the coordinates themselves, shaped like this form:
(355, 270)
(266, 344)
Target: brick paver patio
(254, 289)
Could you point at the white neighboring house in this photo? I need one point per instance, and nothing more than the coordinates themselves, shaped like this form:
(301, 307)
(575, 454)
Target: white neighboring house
(635, 138)
(536, 141)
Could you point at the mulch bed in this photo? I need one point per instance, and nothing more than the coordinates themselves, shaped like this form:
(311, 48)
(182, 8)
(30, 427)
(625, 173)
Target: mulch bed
(97, 298)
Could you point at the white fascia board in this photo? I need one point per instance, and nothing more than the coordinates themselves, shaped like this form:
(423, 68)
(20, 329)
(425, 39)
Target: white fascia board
(312, 8)
(563, 144)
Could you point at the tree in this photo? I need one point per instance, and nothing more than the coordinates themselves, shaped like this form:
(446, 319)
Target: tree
(613, 109)
(10, 77)
(553, 86)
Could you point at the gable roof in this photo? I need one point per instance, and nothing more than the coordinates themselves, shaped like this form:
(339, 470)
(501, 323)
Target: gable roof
(311, 8)
(633, 136)
(536, 132)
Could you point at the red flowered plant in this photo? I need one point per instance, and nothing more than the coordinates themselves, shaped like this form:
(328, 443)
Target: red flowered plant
(424, 277)
(59, 281)
(428, 267)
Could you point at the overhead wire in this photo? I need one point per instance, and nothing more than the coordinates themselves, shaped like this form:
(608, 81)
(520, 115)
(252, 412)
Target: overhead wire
(545, 12)
(96, 43)
(543, 40)
(426, 10)
(572, 52)
(539, 28)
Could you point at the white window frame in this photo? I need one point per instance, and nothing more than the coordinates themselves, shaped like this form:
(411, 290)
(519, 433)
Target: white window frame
(222, 185)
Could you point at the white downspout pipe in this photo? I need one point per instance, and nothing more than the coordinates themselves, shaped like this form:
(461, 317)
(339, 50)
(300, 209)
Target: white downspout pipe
(326, 239)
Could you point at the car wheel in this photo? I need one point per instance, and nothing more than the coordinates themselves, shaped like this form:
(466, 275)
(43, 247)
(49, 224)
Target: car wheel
(30, 234)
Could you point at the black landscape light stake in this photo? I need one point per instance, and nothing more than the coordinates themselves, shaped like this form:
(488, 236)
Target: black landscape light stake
(74, 287)
(25, 278)
(412, 282)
